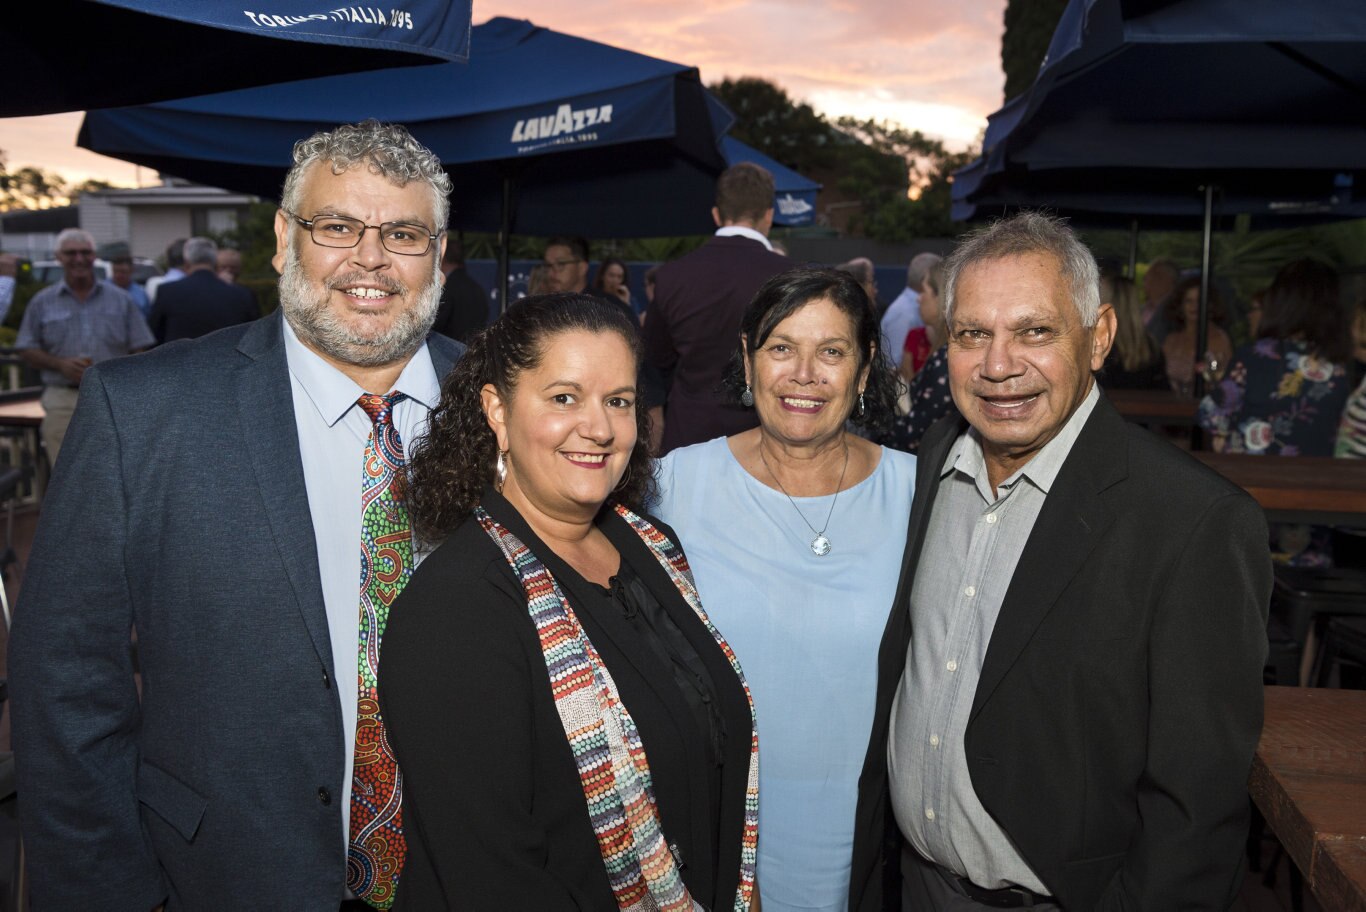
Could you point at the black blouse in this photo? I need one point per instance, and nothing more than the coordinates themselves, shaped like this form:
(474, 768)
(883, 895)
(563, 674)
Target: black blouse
(494, 812)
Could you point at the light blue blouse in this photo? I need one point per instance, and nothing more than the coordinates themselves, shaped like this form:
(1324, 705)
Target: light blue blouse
(806, 630)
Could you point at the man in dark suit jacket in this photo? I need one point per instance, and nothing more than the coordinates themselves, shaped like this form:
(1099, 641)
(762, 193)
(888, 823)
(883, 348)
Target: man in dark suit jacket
(693, 326)
(1069, 701)
(209, 502)
(201, 302)
(464, 306)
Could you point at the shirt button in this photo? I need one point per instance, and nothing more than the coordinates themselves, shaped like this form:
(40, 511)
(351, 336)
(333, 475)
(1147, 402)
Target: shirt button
(324, 795)
(991, 519)
(970, 591)
(934, 740)
(952, 666)
(929, 813)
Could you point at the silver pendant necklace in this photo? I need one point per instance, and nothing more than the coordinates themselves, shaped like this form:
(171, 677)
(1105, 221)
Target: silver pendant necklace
(820, 545)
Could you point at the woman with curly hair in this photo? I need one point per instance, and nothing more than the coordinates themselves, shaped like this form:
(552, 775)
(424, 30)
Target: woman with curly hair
(571, 731)
(796, 530)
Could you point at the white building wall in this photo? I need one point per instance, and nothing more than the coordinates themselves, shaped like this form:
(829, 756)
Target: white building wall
(103, 219)
(152, 228)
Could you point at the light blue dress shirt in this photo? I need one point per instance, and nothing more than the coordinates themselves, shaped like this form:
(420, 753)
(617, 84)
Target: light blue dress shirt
(806, 631)
(902, 316)
(333, 431)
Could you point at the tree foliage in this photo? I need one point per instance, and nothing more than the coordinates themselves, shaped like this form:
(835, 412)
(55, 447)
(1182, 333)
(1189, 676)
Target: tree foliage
(1029, 30)
(34, 188)
(788, 131)
(898, 177)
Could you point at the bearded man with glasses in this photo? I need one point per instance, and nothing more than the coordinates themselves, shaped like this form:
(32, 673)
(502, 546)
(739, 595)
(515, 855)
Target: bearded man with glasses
(73, 324)
(212, 499)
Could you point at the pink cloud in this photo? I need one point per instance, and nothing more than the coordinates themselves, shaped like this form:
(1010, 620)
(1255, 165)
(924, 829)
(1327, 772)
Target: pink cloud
(920, 53)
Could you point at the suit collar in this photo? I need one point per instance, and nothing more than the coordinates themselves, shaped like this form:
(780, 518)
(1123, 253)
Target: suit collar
(744, 232)
(736, 240)
(1073, 519)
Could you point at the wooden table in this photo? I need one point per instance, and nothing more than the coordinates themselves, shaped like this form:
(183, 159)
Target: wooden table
(24, 409)
(21, 413)
(1154, 407)
(1309, 781)
(1307, 489)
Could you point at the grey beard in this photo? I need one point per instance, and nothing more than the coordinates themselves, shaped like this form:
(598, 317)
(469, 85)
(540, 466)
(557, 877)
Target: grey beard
(318, 326)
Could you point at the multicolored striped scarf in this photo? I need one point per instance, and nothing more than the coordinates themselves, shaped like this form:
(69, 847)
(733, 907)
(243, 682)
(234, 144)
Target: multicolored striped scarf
(603, 737)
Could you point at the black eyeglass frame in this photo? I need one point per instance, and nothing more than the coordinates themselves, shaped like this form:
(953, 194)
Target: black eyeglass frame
(360, 235)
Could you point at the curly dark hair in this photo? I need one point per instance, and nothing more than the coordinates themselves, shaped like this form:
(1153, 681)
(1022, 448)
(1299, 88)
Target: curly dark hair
(451, 464)
(788, 292)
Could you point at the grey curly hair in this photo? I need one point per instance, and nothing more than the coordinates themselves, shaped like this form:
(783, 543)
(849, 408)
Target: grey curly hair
(388, 150)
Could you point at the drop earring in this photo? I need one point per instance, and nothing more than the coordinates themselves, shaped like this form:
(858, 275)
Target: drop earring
(500, 472)
(747, 397)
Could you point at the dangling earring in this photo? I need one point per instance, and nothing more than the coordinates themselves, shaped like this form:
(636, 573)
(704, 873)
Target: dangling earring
(860, 405)
(626, 479)
(500, 472)
(747, 397)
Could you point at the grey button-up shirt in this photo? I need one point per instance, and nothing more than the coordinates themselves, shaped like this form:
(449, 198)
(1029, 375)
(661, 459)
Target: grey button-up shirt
(107, 324)
(974, 541)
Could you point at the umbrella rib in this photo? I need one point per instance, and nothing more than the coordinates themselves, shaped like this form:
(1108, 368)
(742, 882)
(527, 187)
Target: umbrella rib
(1314, 66)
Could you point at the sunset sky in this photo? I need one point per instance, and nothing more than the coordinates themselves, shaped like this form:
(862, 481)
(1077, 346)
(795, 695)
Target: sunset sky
(930, 65)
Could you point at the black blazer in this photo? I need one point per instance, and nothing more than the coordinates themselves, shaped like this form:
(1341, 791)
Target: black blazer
(1120, 700)
(494, 812)
(199, 304)
(693, 327)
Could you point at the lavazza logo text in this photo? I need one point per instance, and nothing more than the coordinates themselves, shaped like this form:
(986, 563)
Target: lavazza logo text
(564, 121)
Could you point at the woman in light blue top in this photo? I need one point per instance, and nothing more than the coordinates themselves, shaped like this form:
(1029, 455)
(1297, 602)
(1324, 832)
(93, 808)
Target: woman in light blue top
(795, 533)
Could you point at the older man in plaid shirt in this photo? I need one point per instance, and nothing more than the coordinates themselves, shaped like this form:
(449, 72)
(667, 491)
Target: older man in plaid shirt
(73, 324)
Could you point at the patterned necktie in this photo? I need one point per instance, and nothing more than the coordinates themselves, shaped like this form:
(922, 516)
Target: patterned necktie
(375, 856)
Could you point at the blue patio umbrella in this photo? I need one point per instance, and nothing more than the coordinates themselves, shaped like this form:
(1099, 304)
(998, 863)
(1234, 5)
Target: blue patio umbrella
(72, 55)
(1162, 107)
(794, 201)
(541, 133)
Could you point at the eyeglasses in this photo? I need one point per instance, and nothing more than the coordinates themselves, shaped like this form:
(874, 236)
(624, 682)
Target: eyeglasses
(340, 231)
(560, 265)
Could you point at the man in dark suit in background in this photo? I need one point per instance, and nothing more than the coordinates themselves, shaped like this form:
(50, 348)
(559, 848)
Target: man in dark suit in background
(464, 306)
(201, 302)
(211, 500)
(693, 327)
(1071, 690)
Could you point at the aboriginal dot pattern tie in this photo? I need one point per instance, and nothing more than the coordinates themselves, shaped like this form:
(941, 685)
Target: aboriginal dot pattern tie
(377, 847)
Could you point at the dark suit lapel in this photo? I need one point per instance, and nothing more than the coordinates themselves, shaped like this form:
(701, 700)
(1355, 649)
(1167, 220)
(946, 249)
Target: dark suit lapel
(265, 406)
(1072, 521)
(444, 353)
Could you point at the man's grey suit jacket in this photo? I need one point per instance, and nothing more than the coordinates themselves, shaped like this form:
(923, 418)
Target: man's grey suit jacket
(178, 508)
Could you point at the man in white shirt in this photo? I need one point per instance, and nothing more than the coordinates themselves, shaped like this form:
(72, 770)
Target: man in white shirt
(903, 314)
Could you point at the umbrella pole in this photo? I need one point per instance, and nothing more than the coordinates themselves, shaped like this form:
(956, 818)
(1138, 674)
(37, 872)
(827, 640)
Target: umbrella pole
(1202, 319)
(504, 243)
(1133, 251)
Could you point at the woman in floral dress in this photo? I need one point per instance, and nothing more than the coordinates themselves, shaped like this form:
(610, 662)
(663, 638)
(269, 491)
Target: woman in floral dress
(1284, 393)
